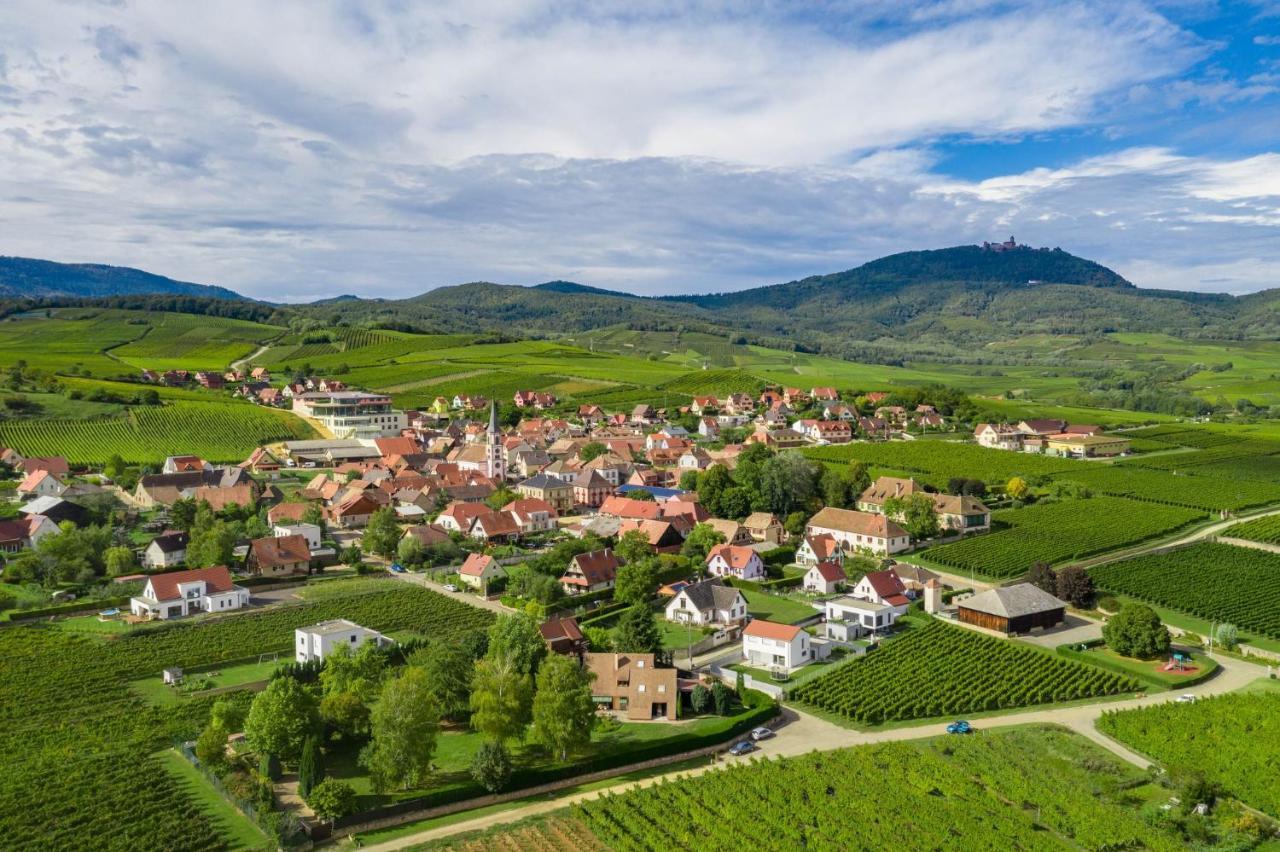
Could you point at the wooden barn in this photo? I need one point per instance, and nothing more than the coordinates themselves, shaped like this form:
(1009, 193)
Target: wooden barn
(1012, 609)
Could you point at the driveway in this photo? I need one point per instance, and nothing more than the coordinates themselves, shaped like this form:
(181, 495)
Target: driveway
(1075, 630)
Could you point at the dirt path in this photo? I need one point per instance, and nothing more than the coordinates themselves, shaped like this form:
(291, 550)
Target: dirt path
(1256, 545)
(1190, 538)
(248, 359)
(803, 733)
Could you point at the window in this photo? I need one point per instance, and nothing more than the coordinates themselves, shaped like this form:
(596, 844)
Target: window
(640, 688)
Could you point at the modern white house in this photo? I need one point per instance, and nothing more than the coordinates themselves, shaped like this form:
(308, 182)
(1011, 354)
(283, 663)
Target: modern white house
(352, 414)
(167, 550)
(180, 593)
(311, 532)
(848, 617)
(707, 603)
(319, 640)
(728, 560)
(771, 645)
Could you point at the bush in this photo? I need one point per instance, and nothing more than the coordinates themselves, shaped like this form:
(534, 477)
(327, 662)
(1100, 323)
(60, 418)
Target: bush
(491, 766)
(700, 699)
(722, 697)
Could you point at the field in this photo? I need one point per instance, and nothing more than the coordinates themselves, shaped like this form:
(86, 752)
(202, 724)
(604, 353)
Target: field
(1233, 739)
(1265, 530)
(1216, 582)
(939, 460)
(218, 432)
(1210, 493)
(189, 342)
(940, 670)
(1015, 789)
(77, 744)
(1059, 532)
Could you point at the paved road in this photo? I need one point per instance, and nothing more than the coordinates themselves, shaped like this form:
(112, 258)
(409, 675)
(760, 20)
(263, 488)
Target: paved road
(465, 597)
(248, 359)
(802, 733)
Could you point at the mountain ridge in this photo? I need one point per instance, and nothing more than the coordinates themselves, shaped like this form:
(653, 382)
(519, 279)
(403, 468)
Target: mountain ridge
(22, 277)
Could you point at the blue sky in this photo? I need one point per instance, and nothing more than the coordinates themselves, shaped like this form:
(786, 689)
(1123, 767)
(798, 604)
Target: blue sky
(302, 150)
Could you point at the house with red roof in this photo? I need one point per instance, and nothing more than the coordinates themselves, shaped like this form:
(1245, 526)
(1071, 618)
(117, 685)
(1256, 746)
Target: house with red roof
(41, 483)
(275, 555)
(882, 587)
(860, 531)
(819, 548)
(767, 644)
(532, 515)
(478, 570)
(730, 560)
(460, 516)
(625, 507)
(824, 577)
(591, 572)
(180, 593)
(495, 527)
(564, 636)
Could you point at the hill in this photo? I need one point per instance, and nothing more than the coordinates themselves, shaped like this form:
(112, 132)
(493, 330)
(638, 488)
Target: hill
(29, 277)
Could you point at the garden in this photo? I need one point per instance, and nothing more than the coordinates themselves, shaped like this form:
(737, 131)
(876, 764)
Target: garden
(938, 670)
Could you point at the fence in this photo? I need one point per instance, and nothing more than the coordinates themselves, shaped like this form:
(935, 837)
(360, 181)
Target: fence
(280, 824)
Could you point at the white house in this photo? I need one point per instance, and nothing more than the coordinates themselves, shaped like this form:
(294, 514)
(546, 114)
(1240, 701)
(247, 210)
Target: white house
(311, 532)
(849, 617)
(319, 640)
(772, 645)
(706, 603)
(819, 548)
(823, 577)
(532, 515)
(167, 550)
(41, 483)
(883, 587)
(180, 593)
(478, 570)
(728, 560)
(860, 531)
(999, 436)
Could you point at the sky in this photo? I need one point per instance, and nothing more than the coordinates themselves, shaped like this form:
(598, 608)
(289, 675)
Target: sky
(302, 150)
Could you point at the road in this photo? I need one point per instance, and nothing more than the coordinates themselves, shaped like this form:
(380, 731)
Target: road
(801, 733)
(248, 359)
(465, 597)
(1190, 538)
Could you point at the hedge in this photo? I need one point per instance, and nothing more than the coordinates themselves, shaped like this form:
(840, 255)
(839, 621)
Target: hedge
(1070, 652)
(70, 607)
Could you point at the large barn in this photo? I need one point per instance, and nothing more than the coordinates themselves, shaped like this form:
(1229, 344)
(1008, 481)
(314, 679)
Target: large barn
(1013, 609)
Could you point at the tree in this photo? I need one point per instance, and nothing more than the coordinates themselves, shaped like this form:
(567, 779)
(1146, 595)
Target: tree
(310, 767)
(491, 766)
(115, 466)
(1136, 631)
(637, 631)
(501, 699)
(916, 514)
(212, 540)
(700, 699)
(837, 488)
(501, 497)
(1016, 488)
(689, 481)
(280, 719)
(591, 450)
(1043, 577)
(1227, 635)
(332, 799)
(516, 638)
(701, 539)
(410, 551)
(563, 712)
(795, 523)
(352, 556)
(449, 668)
(721, 697)
(711, 485)
(182, 514)
(119, 561)
(1074, 586)
(735, 503)
(382, 533)
(360, 672)
(228, 713)
(346, 712)
(642, 495)
(859, 476)
(788, 481)
(404, 722)
(636, 581)
(633, 546)
(211, 747)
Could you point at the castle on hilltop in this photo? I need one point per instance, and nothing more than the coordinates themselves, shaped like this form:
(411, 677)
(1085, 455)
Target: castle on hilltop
(1010, 245)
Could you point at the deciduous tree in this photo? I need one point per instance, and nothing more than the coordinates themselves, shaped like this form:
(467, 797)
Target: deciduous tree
(636, 581)
(331, 800)
(563, 712)
(404, 722)
(501, 699)
(1136, 631)
(382, 533)
(637, 631)
(516, 638)
(280, 719)
(491, 766)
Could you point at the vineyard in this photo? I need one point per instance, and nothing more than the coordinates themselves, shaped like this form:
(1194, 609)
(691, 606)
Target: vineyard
(77, 769)
(1265, 530)
(1236, 742)
(1199, 490)
(1215, 582)
(216, 431)
(943, 460)
(941, 670)
(1019, 789)
(190, 342)
(716, 382)
(1059, 532)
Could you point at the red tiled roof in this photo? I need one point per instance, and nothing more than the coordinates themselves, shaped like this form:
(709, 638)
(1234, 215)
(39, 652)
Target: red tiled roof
(771, 630)
(216, 579)
(625, 507)
(736, 556)
(275, 552)
(475, 565)
(598, 566)
(887, 584)
(830, 571)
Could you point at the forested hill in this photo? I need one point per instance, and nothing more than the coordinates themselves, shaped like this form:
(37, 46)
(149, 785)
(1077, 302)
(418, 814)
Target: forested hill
(28, 277)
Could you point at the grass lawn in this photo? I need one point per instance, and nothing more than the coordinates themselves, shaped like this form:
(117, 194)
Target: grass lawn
(155, 690)
(676, 636)
(1201, 666)
(776, 608)
(1183, 621)
(91, 625)
(235, 829)
(1262, 684)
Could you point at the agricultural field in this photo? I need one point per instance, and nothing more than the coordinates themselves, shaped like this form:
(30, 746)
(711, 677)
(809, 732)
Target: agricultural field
(1209, 493)
(190, 342)
(1212, 581)
(71, 723)
(1059, 532)
(216, 431)
(1265, 530)
(938, 461)
(1020, 786)
(941, 670)
(1232, 739)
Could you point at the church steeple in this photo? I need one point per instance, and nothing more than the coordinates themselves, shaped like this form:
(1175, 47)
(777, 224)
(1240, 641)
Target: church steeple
(495, 457)
(493, 417)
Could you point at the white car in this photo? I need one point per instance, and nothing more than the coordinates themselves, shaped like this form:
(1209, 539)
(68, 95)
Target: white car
(450, 587)
(1185, 698)
(761, 733)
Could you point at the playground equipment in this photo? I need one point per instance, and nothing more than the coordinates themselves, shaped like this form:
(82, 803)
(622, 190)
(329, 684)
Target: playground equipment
(1178, 661)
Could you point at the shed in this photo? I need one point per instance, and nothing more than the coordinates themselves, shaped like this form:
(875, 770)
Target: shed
(1012, 609)
(173, 675)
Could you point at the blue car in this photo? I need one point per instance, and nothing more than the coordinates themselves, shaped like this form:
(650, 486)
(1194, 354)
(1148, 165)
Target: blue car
(961, 727)
(744, 747)
(397, 568)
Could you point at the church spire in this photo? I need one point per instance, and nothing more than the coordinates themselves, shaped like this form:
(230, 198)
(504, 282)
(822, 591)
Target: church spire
(493, 417)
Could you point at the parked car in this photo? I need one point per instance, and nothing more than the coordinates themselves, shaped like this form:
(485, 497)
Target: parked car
(744, 747)
(761, 733)
(397, 568)
(960, 727)
(1185, 698)
(450, 587)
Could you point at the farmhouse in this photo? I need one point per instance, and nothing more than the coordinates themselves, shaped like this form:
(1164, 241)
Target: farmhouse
(1085, 446)
(961, 513)
(1012, 609)
(705, 603)
(860, 531)
(998, 436)
(41, 483)
(320, 640)
(728, 560)
(772, 645)
(634, 685)
(180, 593)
